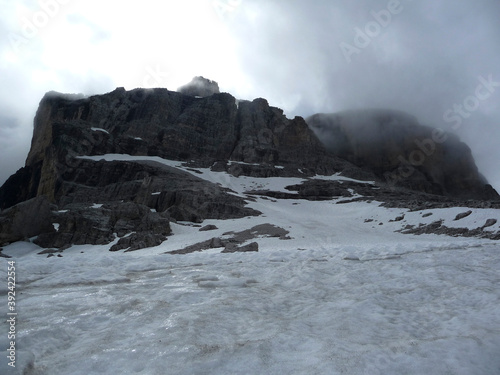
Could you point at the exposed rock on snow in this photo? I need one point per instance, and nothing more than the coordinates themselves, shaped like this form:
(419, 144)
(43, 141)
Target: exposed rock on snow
(489, 223)
(252, 246)
(462, 215)
(232, 243)
(206, 228)
(437, 227)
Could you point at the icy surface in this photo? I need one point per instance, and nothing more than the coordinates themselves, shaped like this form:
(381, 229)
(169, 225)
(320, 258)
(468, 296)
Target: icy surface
(342, 296)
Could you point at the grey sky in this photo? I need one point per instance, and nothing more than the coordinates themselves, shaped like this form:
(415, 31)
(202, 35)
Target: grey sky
(423, 58)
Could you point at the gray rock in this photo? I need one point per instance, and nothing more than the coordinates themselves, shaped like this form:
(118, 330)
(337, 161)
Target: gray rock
(50, 251)
(253, 246)
(231, 244)
(212, 243)
(462, 215)
(398, 218)
(489, 223)
(137, 241)
(351, 257)
(25, 220)
(437, 227)
(207, 228)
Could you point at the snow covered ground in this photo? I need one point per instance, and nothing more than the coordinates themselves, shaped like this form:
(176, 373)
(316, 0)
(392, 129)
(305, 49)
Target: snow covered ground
(342, 296)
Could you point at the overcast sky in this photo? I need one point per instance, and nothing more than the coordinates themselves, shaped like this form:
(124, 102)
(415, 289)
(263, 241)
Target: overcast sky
(425, 57)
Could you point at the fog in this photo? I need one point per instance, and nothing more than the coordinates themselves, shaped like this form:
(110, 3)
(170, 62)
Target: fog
(438, 61)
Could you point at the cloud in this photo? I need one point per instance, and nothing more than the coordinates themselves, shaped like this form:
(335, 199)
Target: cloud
(424, 60)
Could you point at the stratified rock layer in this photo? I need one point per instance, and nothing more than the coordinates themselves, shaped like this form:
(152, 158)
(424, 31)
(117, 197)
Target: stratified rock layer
(166, 124)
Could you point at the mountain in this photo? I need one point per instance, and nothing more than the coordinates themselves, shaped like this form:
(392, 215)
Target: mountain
(261, 251)
(404, 153)
(124, 165)
(204, 132)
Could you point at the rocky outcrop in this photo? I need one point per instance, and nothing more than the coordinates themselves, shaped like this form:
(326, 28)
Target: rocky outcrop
(403, 153)
(81, 224)
(345, 191)
(162, 188)
(233, 243)
(26, 220)
(438, 227)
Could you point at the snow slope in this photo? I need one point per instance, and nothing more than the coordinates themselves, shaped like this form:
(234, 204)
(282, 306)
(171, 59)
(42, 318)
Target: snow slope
(342, 296)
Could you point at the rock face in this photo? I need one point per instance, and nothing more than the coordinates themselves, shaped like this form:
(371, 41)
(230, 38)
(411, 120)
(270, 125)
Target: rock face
(252, 138)
(160, 123)
(81, 224)
(26, 220)
(200, 86)
(400, 151)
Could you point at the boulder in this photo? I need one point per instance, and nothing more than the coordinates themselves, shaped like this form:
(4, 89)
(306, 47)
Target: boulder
(489, 223)
(462, 215)
(207, 228)
(25, 220)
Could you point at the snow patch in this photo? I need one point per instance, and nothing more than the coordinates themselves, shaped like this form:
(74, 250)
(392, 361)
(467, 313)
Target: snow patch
(99, 130)
(338, 177)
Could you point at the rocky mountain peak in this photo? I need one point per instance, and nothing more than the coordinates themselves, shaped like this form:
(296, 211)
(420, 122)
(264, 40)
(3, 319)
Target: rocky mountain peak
(402, 152)
(251, 138)
(200, 86)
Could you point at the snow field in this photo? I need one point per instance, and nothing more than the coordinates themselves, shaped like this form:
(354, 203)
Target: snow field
(294, 311)
(342, 296)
